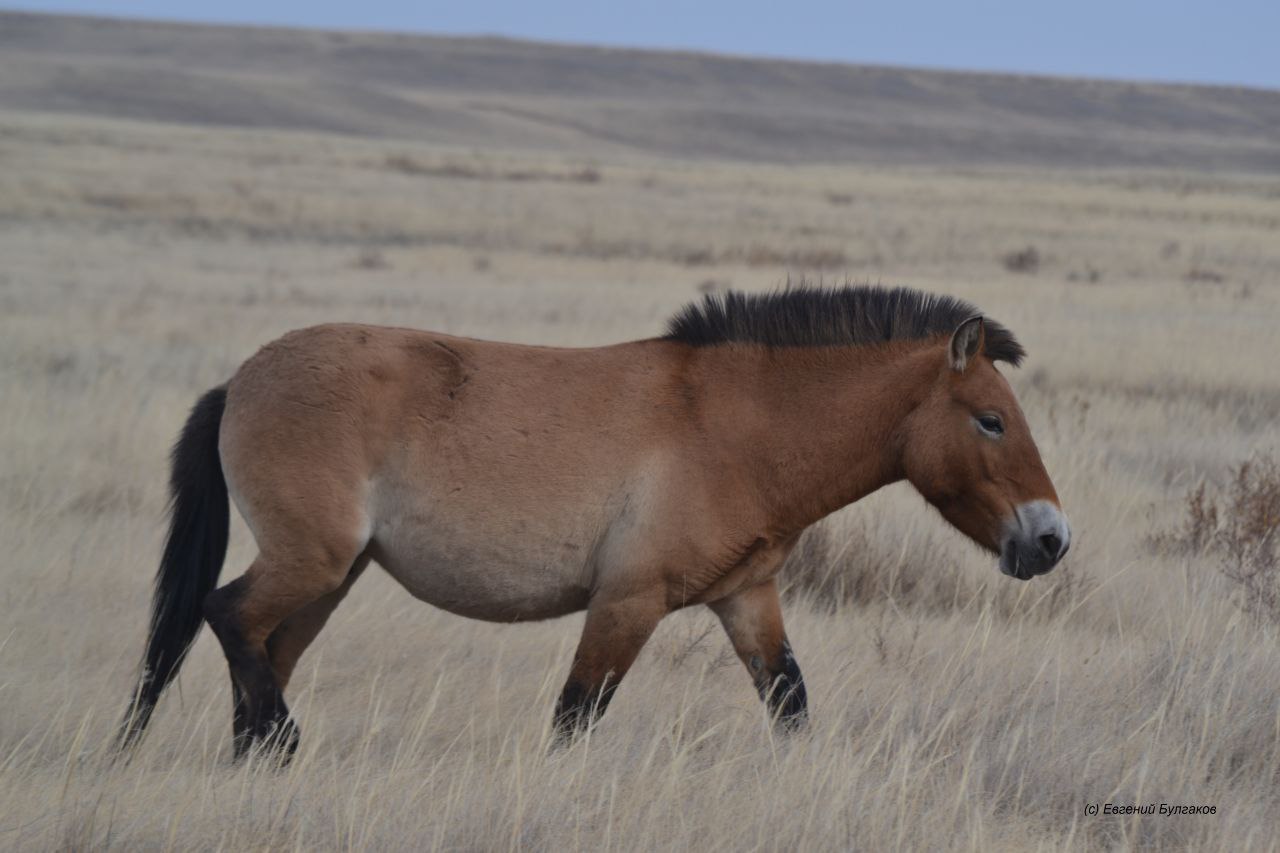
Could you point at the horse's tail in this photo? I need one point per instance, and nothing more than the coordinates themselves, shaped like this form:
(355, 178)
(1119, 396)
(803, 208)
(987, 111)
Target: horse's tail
(199, 519)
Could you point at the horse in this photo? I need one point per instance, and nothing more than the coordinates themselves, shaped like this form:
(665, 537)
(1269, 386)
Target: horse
(506, 482)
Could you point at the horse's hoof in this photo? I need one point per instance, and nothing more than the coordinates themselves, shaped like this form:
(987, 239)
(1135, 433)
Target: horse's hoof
(281, 742)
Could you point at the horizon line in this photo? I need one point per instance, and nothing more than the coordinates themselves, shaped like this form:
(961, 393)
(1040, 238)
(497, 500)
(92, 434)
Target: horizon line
(623, 47)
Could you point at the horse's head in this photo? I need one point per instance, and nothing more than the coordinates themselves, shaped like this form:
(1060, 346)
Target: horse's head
(969, 451)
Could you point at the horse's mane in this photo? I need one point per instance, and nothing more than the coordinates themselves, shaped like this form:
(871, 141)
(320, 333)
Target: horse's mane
(814, 316)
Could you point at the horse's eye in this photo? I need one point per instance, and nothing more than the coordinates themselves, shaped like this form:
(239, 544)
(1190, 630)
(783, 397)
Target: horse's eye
(991, 424)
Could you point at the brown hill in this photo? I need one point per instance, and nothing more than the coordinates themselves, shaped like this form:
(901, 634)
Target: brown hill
(492, 92)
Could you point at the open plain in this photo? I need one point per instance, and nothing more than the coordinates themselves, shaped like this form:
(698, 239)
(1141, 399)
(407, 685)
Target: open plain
(144, 256)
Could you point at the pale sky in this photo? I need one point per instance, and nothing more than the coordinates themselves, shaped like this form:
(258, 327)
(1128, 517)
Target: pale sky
(1231, 41)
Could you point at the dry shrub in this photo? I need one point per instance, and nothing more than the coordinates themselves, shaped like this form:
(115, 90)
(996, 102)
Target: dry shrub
(590, 245)
(693, 257)
(1022, 260)
(1208, 276)
(1239, 525)
(371, 259)
(585, 175)
(816, 258)
(1090, 274)
(849, 567)
(113, 201)
(1196, 530)
(833, 567)
(408, 165)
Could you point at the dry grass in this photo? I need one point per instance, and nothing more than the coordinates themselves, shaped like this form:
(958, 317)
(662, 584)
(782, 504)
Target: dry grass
(952, 707)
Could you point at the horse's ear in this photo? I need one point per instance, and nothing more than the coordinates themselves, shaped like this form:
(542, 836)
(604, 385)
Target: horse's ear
(966, 343)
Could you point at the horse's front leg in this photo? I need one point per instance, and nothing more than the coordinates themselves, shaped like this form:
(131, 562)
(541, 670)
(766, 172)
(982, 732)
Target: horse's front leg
(752, 618)
(616, 630)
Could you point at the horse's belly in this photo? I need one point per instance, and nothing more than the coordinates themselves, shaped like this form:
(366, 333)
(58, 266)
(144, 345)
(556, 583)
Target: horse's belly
(484, 580)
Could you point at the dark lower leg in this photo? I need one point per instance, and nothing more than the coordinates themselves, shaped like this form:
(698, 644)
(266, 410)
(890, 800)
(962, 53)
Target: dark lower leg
(753, 620)
(240, 733)
(261, 715)
(611, 639)
(579, 707)
(787, 700)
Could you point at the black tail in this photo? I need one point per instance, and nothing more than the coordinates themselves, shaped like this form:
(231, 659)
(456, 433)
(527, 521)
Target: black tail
(199, 518)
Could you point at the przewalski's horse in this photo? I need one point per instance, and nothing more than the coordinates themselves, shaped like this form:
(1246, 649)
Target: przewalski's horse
(509, 483)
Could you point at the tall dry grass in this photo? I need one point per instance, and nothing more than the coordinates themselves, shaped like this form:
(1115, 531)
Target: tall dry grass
(952, 707)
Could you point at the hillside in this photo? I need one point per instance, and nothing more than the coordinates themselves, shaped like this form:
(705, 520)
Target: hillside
(497, 93)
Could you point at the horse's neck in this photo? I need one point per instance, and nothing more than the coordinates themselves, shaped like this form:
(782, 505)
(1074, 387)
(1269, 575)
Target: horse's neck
(815, 429)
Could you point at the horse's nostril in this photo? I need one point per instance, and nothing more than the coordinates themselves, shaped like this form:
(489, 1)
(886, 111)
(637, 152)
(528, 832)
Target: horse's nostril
(1050, 544)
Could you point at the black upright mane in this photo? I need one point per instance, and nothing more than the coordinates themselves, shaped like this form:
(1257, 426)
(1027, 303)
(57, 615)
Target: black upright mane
(808, 316)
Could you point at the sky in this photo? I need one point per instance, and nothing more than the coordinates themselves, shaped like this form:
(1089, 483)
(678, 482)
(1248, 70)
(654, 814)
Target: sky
(1230, 41)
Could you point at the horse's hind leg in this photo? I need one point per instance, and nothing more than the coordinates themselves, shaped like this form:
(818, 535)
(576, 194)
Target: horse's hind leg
(752, 618)
(245, 612)
(287, 642)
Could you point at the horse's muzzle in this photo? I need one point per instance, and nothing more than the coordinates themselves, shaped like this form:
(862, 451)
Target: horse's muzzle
(1035, 540)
